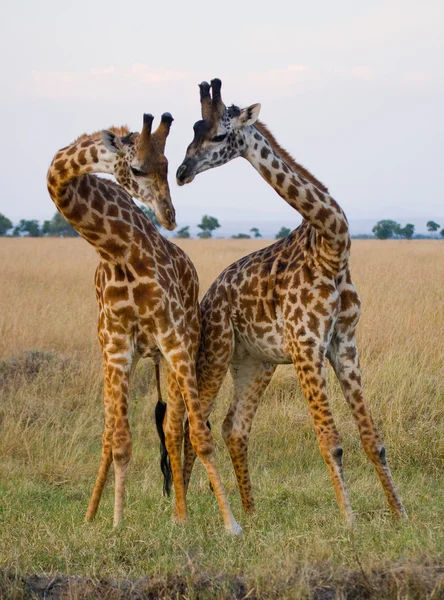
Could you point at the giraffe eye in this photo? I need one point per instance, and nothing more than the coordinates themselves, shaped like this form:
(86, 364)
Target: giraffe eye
(219, 138)
(136, 172)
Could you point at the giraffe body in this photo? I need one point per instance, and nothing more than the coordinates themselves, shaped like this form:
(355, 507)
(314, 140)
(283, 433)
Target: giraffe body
(147, 293)
(293, 302)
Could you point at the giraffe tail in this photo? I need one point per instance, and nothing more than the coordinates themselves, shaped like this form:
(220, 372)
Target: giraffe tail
(160, 412)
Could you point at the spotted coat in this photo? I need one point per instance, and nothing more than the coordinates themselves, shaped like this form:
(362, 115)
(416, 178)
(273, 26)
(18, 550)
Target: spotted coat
(147, 293)
(293, 302)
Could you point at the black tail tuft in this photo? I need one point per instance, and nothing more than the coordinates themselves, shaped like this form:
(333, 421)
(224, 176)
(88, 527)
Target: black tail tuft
(165, 464)
(164, 458)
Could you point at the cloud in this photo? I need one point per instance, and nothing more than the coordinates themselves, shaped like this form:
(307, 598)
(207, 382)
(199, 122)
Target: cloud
(99, 82)
(417, 78)
(146, 74)
(287, 75)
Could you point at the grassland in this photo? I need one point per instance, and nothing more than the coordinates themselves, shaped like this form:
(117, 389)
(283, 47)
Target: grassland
(296, 545)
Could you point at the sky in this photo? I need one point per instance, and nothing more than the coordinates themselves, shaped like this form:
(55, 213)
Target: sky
(354, 90)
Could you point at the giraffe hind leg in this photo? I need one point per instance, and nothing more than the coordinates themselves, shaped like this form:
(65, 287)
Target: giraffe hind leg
(250, 379)
(211, 369)
(173, 431)
(200, 436)
(343, 356)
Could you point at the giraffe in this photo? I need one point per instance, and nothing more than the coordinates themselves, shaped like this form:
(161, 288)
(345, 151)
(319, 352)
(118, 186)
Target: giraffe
(292, 302)
(147, 293)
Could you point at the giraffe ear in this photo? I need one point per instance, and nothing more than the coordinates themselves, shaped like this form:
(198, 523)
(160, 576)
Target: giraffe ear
(112, 142)
(248, 116)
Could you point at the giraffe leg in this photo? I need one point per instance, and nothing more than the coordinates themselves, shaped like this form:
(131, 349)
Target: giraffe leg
(122, 443)
(107, 456)
(212, 363)
(189, 456)
(309, 362)
(210, 382)
(173, 428)
(116, 439)
(343, 356)
(250, 379)
(200, 435)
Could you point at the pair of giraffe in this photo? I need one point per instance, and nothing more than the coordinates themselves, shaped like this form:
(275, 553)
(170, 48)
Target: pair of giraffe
(291, 302)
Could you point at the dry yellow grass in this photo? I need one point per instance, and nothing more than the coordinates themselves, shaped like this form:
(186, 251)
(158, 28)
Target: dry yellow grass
(51, 420)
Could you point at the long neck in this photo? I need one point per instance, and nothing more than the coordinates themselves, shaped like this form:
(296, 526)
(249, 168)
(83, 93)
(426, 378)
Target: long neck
(302, 192)
(97, 208)
(81, 157)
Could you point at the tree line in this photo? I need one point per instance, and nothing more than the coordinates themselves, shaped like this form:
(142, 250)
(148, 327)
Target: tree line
(59, 227)
(386, 229)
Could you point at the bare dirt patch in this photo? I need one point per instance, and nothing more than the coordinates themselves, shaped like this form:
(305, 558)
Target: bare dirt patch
(391, 582)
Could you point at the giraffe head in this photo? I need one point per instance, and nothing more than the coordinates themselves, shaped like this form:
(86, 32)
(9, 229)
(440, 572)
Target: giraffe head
(141, 166)
(219, 136)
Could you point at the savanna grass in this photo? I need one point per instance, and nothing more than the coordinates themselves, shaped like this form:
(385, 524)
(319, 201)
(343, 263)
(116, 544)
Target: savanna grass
(51, 425)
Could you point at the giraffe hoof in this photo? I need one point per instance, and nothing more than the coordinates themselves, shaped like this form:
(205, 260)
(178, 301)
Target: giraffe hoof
(179, 519)
(401, 513)
(350, 519)
(235, 529)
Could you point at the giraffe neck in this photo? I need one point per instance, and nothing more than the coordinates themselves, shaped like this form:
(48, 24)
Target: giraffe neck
(101, 211)
(301, 191)
(81, 157)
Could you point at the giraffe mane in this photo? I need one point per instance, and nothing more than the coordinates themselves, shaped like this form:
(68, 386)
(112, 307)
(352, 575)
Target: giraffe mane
(120, 131)
(288, 158)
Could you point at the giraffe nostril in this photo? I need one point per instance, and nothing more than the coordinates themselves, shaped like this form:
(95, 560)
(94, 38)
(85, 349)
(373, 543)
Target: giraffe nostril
(181, 172)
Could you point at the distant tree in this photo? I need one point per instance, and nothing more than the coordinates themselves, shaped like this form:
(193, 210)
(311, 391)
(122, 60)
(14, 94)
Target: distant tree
(149, 212)
(241, 236)
(31, 227)
(183, 232)
(407, 231)
(208, 225)
(432, 226)
(58, 226)
(5, 224)
(256, 232)
(385, 229)
(283, 232)
(441, 233)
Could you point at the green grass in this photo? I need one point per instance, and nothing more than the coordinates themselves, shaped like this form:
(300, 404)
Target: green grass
(51, 428)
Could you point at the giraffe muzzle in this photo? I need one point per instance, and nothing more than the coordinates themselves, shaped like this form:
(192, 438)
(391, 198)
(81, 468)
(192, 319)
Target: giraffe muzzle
(184, 175)
(169, 219)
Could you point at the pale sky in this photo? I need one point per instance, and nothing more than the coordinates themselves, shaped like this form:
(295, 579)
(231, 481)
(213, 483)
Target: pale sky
(353, 89)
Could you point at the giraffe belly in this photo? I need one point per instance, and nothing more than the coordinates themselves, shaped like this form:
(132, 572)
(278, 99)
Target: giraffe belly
(267, 346)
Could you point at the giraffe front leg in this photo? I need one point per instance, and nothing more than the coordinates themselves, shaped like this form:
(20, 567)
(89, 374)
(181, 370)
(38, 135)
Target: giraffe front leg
(116, 441)
(343, 356)
(107, 456)
(309, 362)
(250, 379)
(122, 443)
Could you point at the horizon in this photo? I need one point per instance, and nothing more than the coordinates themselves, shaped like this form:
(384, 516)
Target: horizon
(269, 228)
